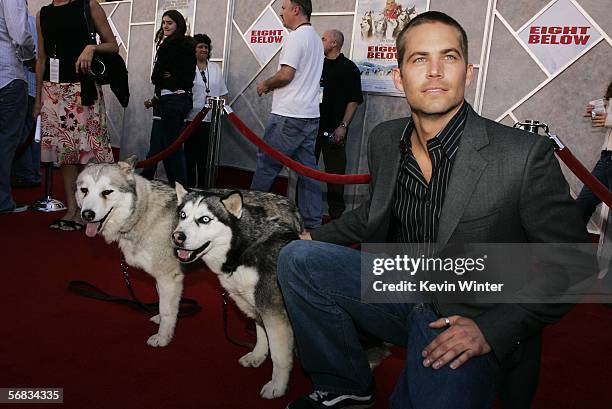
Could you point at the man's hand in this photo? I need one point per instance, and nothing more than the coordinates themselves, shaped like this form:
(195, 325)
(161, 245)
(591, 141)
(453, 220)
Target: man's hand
(262, 88)
(589, 109)
(339, 135)
(460, 342)
(305, 235)
(599, 119)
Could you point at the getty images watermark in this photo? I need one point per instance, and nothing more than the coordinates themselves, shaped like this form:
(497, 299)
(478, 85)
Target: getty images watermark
(485, 273)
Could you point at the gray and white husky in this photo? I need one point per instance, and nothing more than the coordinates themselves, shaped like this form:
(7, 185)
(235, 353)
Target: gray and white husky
(239, 235)
(140, 215)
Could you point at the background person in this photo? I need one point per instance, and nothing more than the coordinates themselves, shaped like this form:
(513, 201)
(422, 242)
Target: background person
(73, 120)
(26, 167)
(16, 46)
(294, 120)
(437, 178)
(173, 79)
(208, 82)
(341, 83)
(603, 168)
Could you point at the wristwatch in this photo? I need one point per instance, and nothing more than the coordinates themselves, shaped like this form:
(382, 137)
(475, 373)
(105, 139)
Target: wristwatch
(343, 124)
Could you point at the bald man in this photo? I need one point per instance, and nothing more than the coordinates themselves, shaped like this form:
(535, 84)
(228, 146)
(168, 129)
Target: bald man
(341, 83)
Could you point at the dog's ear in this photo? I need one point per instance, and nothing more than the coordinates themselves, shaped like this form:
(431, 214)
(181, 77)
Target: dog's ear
(131, 160)
(180, 191)
(233, 203)
(127, 165)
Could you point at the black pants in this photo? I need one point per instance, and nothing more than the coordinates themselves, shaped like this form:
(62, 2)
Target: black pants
(334, 156)
(174, 109)
(196, 153)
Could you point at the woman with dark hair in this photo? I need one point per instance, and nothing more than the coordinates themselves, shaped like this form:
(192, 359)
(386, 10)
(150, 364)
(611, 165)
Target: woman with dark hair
(71, 105)
(208, 82)
(600, 116)
(173, 79)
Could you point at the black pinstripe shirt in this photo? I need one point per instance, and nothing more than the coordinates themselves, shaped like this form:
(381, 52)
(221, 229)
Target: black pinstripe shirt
(417, 204)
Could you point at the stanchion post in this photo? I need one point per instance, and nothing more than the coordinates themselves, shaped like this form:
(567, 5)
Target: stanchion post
(47, 203)
(217, 104)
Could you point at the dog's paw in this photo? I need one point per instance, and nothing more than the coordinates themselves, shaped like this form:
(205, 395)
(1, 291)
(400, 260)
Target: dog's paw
(273, 390)
(158, 341)
(156, 319)
(251, 360)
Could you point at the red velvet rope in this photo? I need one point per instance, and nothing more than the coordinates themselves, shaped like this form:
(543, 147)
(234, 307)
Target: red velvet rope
(585, 176)
(296, 166)
(564, 154)
(195, 122)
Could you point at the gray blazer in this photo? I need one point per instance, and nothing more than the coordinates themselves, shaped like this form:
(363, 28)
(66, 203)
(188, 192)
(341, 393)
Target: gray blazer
(506, 186)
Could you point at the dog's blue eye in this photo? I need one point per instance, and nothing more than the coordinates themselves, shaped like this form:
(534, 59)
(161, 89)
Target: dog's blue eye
(204, 219)
(182, 215)
(107, 192)
(84, 191)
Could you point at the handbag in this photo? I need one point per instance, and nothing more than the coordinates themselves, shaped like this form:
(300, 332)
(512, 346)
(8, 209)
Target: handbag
(107, 68)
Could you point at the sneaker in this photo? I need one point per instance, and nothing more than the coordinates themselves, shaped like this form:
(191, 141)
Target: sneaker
(18, 209)
(331, 400)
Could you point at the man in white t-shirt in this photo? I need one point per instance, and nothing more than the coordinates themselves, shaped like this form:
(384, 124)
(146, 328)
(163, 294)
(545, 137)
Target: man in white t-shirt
(294, 120)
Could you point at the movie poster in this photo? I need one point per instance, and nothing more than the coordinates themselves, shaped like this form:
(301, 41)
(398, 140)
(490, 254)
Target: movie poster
(377, 24)
(559, 35)
(265, 36)
(185, 7)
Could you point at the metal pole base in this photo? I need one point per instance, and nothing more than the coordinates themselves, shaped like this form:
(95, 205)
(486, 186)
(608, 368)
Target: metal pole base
(47, 205)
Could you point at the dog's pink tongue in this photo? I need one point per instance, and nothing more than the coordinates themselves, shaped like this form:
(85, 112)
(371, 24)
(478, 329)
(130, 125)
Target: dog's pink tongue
(91, 229)
(183, 254)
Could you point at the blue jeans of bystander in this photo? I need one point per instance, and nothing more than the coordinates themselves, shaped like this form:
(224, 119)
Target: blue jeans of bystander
(294, 137)
(13, 105)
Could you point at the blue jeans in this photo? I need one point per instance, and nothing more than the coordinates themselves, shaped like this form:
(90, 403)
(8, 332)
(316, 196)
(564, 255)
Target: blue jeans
(294, 137)
(174, 110)
(321, 286)
(602, 171)
(13, 106)
(27, 165)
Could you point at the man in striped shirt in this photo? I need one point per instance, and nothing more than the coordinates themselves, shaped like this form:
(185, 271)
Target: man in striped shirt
(436, 177)
(16, 46)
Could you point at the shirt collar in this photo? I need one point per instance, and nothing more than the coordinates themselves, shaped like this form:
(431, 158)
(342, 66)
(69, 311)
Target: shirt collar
(448, 137)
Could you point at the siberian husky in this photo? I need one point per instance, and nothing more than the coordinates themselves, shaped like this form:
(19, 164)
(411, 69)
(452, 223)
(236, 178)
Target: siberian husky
(239, 235)
(140, 215)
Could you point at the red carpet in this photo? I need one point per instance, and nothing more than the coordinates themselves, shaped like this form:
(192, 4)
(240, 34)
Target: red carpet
(96, 351)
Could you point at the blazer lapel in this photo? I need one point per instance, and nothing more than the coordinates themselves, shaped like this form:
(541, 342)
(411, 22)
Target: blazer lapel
(467, 169)
(389, 170)
(384, 190)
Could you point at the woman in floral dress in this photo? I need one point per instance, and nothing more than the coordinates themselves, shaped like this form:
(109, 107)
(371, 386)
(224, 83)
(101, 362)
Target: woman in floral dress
(71, 105)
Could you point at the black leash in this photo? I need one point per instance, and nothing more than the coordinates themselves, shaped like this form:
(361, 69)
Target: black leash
(187, 306)
(231, 339)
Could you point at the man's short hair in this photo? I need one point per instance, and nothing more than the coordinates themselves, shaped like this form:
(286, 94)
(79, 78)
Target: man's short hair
(337, 36)
(430, 17)
(305, 6)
